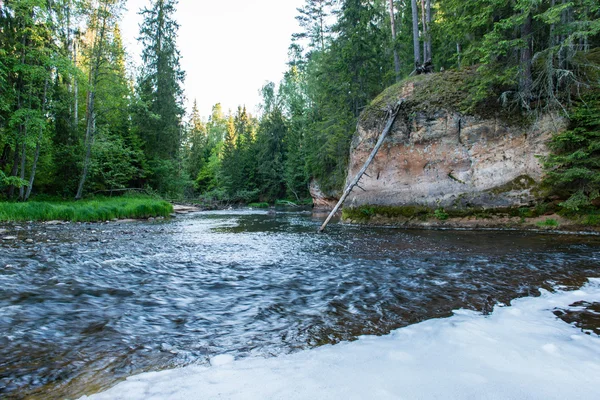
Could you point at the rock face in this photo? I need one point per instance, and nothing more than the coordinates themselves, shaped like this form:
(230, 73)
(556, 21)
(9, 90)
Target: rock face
(321, 200)
(442, 158)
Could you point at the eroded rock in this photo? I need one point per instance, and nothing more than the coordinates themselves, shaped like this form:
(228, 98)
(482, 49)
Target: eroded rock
(321, 200)
(446, 159)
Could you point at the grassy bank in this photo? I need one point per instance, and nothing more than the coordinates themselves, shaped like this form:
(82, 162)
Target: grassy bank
(545, 216)
(97, 209)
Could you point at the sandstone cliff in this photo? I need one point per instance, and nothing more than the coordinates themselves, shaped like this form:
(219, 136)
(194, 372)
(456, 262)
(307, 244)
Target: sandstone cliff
(438, 156)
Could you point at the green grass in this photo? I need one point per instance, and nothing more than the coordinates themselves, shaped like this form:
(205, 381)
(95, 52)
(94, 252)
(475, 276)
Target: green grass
(548, 223)
(287, 202)
(97, 209)
(258, 205)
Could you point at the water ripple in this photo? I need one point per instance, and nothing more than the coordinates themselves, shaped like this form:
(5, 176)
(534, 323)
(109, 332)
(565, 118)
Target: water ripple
(87, 305)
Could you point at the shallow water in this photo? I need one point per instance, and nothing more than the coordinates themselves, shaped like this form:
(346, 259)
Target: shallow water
(100, 302)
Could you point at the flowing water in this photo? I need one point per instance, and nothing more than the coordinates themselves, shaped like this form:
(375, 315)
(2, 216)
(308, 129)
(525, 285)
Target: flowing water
(87, 305)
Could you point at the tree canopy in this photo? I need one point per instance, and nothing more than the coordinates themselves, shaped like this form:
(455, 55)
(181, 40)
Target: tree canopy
(73, 121)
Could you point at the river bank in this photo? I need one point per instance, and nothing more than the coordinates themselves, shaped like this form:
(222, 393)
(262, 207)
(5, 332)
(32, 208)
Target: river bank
(91, 210)
(523, 218)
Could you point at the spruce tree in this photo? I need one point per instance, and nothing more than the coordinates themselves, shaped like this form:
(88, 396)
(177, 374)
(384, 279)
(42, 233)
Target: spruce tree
(160, 90)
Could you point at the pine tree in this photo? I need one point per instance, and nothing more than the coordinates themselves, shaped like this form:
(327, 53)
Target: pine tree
(197, 146)
(574, 167)
(313, 18)
(159, 122)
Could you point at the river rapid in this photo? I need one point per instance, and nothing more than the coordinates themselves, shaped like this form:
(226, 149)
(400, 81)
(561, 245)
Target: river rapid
(85, 306)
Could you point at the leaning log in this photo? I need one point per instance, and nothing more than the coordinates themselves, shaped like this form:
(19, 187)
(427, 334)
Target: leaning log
(392, 114)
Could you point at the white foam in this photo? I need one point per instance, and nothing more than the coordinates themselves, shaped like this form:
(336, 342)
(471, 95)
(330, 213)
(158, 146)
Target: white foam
(221, 359)
(518, 352)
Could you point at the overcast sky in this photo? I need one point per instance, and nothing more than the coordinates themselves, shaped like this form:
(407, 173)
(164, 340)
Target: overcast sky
(229, 48)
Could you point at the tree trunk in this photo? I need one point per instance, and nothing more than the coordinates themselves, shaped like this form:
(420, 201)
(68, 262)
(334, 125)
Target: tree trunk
(89, 138)
(424, 31)
(15, 168)
(550, 62)
(428, 35)
(38, 145)
(458, 54)
(24, 151)
(388, 126)
(75, 91)
(96, 61)
(526, 81)
(20, 88)
(396, 58)
(561, 39)
(415, 21)
(23, 161)
(4, 156)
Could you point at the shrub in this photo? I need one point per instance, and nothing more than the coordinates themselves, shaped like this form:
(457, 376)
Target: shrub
(548, 223)
(258, 205)
(441, 214)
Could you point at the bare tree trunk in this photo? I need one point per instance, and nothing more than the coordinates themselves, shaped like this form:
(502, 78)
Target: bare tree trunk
(96, 61)
(562, 50)
(552, 40)
(428, 35)
(15, 168)
(550, 61)
(38, 145)
(4, 156)
(415, 21)
(20, 86)
(24, 151)
(388, 126)
(526, 81)
(75, 90)
(23, 161)
(396, 58)
(322, 34)
(89, 138)
(424, 31)
(458, 54)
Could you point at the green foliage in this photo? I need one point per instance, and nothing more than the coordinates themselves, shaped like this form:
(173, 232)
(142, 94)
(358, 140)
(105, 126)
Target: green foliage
(573, 169)
(167, 178)
(527, 53)
(591, 219)
(441, 214)
(258, 205)
(100, 209)
(159, 111)
(11, 181)
(548, 223)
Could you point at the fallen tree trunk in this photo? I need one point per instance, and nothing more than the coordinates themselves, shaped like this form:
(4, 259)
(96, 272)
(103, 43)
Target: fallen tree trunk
(392, 114)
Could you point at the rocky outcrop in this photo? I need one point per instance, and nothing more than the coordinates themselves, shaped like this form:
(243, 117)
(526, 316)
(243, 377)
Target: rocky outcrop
(445, 158)
(321, 200)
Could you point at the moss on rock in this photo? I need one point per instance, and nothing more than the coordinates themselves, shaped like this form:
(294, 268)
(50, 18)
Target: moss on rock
(521, 182)
(453, 90)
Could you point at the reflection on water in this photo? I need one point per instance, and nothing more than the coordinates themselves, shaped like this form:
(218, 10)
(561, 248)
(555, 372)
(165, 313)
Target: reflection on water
(87, 305)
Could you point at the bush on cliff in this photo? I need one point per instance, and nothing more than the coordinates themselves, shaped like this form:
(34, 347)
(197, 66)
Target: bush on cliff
(574, 166)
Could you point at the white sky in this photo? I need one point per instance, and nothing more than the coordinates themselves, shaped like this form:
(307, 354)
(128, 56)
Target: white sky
(229, 48)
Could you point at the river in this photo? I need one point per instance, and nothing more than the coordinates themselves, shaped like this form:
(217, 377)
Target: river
(85, 306)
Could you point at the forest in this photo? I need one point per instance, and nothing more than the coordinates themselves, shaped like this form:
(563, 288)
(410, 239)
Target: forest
(74, 122)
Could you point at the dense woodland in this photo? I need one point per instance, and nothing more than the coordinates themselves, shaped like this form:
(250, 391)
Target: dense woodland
(75, 122)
